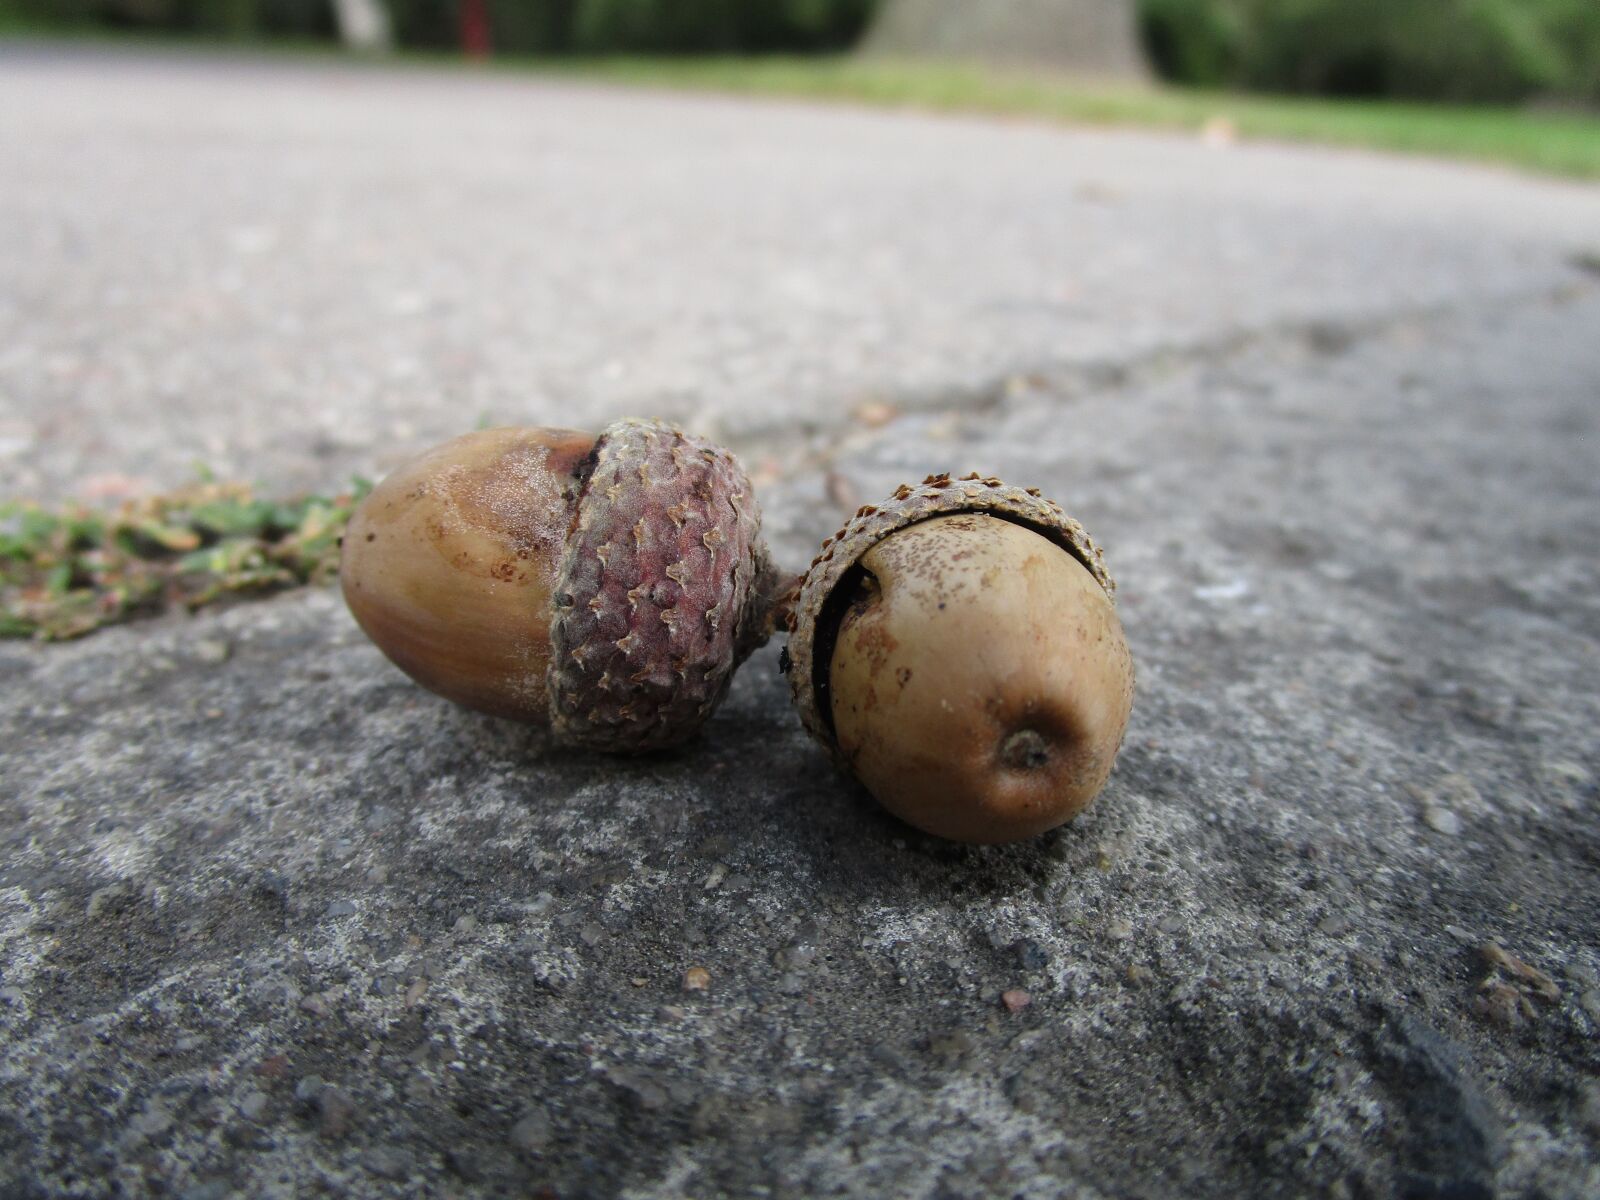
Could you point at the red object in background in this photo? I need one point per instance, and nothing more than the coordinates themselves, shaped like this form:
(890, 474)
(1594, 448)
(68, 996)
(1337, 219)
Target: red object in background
(475, 41)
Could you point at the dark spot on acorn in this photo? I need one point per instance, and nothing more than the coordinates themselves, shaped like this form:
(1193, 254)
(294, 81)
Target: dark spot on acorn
(1025, 750)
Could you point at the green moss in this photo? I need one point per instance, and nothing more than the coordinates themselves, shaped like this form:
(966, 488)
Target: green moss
(66, 571)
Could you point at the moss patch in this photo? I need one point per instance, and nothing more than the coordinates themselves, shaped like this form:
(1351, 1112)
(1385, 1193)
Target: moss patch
(69, 570)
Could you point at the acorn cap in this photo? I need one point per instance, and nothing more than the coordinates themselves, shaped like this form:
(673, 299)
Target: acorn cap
(811, 622)
(664, 588)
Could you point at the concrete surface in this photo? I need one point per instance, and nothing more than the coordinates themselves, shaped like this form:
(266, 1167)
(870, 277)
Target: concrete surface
(273, 922)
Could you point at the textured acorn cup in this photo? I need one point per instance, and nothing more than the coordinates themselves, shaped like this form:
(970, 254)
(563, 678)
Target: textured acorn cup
(604, 586)
(957, 649)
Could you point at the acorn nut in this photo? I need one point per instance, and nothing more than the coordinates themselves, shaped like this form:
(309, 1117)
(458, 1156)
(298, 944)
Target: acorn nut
(604, 586)
(957, 649)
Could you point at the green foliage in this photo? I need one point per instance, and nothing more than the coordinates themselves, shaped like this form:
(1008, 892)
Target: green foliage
(518, 26)
(713, 26)
(215, 18)
(1464, 50)
(67, 571)
(1200, 42)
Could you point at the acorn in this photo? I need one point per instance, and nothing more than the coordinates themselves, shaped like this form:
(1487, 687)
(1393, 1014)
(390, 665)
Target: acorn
(606, 587)
(957, 649)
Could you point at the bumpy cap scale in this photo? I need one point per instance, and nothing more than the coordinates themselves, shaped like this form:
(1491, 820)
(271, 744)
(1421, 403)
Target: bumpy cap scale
(957, 649)
(605, 586)
(662, 592)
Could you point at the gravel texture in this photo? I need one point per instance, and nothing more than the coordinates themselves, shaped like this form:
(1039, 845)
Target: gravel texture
(274, 922)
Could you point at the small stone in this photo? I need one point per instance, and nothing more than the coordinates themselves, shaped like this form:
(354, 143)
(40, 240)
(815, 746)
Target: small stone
(1030, 955)
(1140, 975)
(273, 1066)
(274, 990)
(798, 955)
(151, 1121)
(387, 1162)
(953, 1047)
(1441, 820)
(106, 901)
(714, 878)
(342, 908)
(1457, 793)
(1015, 1000)
(1564, 781)
(254, 1106)
(338, 1112)
(309, 1089)
(378, 874)
(645, 1093)
(875, 414)
(1118, 930)
(1171, 923)
(212, 651)
(531, 1134)
(381, 816)
(696, 979)
(1589, 1001)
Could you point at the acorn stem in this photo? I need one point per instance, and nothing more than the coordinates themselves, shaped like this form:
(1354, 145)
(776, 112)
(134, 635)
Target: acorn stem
(771, 606)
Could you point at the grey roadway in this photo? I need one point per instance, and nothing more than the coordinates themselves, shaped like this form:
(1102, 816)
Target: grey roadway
(273, 922)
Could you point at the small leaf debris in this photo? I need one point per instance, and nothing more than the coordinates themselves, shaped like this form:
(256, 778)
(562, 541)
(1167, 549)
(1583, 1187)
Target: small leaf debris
(1506, 995)
(69, 570)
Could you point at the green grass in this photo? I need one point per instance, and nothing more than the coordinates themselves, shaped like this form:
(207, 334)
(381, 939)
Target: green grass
(1552, 142)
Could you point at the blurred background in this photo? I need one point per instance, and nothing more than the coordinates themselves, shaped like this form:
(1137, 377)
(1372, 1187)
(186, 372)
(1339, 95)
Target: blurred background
(1545, 51)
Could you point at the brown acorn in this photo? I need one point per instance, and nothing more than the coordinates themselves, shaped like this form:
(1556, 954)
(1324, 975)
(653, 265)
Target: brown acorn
(957, 649)
(605, 586)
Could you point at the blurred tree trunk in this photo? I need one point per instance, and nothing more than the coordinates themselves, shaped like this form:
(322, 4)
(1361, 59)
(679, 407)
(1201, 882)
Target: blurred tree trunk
(1097, 37)
(364, 25)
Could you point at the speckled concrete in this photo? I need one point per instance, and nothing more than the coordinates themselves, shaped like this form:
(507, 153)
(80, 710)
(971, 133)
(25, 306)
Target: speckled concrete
(273, 922)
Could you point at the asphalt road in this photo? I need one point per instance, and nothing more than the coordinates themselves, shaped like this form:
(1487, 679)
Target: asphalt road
(288, 272)
(273, 922)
